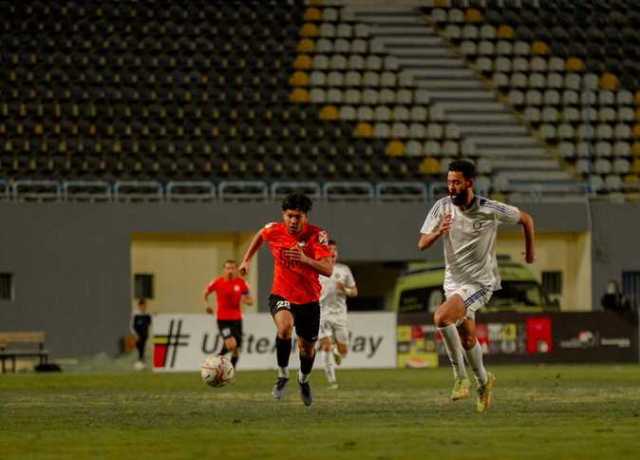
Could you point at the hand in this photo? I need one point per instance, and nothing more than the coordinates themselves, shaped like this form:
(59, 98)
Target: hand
(244, 268)
(295, 254)
(529, 257)
(340, 287)
(209, 310)
(445, 225)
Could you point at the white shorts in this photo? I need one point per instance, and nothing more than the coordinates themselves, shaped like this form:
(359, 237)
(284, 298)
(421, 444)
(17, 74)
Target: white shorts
(334, 327)
(475, 296)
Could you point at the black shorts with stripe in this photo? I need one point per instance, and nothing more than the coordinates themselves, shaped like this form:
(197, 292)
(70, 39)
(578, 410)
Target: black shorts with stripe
(306, 317)
(231, 328)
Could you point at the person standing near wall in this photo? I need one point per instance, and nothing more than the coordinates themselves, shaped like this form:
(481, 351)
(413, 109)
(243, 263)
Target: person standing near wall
(232, 292)
(140, 324)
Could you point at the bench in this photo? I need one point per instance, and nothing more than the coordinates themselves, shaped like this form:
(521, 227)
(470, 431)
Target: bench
(14, 345)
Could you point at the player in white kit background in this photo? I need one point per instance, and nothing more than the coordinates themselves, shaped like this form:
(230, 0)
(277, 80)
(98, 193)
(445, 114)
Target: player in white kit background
(468, 225)
(333, 315)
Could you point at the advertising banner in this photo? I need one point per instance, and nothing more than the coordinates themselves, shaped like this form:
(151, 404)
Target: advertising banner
(182, 342)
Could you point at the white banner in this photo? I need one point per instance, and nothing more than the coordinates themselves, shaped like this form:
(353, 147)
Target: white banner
(182, 342)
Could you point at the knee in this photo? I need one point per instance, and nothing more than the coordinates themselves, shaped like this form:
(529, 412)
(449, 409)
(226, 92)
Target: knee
(468, 341)
(343, 350)
(441, 319)
(284, 331)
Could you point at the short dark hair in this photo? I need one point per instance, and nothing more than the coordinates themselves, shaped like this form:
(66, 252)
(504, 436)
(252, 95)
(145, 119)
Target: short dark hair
(332, 243)
(230, 261)
(142, 301)
(466, 167)
(297, 202)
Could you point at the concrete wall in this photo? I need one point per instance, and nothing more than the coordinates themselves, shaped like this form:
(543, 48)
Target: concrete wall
(72, 262)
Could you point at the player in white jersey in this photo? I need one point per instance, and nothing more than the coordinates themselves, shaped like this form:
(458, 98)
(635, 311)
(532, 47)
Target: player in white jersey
(333, 315)
(468, 225)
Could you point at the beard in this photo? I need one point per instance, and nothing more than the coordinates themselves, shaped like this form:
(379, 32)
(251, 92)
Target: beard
(459, 199)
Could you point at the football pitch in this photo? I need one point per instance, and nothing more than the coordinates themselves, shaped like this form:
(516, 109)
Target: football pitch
(550, 412)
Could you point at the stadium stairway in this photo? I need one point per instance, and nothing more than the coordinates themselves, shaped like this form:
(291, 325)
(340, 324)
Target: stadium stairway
(489, 130)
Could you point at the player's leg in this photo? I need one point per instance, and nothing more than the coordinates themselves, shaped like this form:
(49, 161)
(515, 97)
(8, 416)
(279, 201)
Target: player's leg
(237, 342)
(341, 338)
(225, 334)
(448, 314)
(307, 323)
(283, 319)
(485, 380)
(326, 356)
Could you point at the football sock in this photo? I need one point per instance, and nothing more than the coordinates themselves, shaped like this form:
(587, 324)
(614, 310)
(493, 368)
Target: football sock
(306, 364)
(329, 369)
(234, 360)
(283, 351)
(453, 345)
(474, 356)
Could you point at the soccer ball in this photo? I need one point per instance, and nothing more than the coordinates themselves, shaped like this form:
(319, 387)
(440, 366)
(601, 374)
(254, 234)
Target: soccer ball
(217, 371)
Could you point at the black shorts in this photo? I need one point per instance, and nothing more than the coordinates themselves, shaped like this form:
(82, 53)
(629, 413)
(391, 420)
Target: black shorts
(231, 328)
(306, 316)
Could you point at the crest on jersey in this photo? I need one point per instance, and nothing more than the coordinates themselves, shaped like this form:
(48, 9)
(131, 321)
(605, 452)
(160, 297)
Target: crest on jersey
(323, 237)
(302, 244)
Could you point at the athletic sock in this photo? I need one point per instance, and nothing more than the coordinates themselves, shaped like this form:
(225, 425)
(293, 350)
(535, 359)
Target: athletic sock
(474, 356)
(329, 368)
(234, 360)
(306, 364)
(283, 352)
(453, 345)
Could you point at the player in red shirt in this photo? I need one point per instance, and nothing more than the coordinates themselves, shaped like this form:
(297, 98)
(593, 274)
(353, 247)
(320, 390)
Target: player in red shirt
(231, 292)
(300, 253)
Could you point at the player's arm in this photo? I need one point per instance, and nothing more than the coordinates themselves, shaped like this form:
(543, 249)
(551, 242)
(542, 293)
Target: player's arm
(207, 291)
(528, 229)
(246, 300)
(251, 251)
(349, 291)
(427, 239)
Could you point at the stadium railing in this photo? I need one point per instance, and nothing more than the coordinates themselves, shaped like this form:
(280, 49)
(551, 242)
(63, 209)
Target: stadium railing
(280, 189)
(243, 191)
(190, 191)
(138, 191)
(349, 191)
(36, 191)
(86, 191)
(401, 191)
(262, 191)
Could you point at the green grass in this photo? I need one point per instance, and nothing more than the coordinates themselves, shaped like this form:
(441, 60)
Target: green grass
(550, 412)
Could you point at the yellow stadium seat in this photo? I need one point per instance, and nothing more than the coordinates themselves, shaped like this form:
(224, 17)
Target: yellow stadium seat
(306, 45)
(472, 15)
(574, 64)
(636, 130)
(430, 166)
(315, 2)
(635, 166)
(540, 48)
(635, 149)
(329, 113)
(441, 3)
(303, 62)
(313, 14)
(631, 179)
(299, 79)
(504, 32)
(395, 148)
(609, 82)
(309, 30)
(363, 129)
(299, 95)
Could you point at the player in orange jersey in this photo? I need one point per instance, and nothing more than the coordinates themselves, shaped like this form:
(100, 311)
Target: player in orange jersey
(300, 253)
